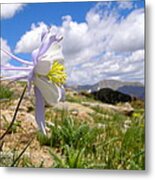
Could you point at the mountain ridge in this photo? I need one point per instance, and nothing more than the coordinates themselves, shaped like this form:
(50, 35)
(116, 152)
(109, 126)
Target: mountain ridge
(135, 89)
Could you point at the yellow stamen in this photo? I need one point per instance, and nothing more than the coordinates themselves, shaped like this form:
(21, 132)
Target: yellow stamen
(57, 74)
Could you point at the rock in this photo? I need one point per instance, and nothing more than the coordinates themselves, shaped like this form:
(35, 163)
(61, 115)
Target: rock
(75, 112)
(27, 120)
(61, 106)
(75, 108)
(25, 106)
(125, 109)
(100, 125)
(6, 115)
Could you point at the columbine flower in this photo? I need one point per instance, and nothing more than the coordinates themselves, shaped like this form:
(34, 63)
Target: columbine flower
(46, 72)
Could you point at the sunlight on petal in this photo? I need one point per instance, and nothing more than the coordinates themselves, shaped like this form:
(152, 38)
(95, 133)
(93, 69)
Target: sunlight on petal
(50, 92)
(43, 67)
(53, 53)
(40, 110)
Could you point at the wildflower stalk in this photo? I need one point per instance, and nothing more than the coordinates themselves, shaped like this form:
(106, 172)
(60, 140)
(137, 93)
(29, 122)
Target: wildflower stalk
(15, 114)
(46, 72)
(20, 155)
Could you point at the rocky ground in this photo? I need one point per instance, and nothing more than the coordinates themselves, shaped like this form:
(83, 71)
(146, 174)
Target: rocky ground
(25, 126)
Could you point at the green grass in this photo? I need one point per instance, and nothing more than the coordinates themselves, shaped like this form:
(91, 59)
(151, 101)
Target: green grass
(79, 98)
(116, 142)
(13, 129)
(5, 92)
(74, 144)
(109, 140)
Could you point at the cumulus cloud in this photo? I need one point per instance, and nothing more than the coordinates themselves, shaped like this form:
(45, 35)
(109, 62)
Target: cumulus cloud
(9, 10)
(5, 60)
(104, 46)
(4, 45)
(125, 5)
(25, 44)
(126, 67)
(128, 35)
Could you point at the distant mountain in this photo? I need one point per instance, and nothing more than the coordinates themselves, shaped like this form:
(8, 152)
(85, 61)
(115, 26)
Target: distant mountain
(85, 87)
(135, 91)
(112, 84)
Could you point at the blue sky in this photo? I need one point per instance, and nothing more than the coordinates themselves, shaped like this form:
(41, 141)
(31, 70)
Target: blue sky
(90, 30)
(50, 13)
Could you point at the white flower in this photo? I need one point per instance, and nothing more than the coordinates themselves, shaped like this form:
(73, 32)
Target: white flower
(46, 72)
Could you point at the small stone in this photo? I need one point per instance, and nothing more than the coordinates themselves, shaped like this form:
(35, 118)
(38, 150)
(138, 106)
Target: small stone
(75, 112)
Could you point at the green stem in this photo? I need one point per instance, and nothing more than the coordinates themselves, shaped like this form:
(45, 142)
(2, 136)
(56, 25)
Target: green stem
(17, 159)
(15, 114)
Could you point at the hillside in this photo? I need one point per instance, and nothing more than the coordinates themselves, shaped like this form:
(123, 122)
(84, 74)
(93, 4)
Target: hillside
(135, 89)
(81, 133)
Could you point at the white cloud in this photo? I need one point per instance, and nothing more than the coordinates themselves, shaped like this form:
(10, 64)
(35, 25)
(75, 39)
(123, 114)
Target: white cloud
(4, 45)
(125, 5)
(9, 10)
(105, 46)
(5, 60)
(129, 34)
(31, 39)
(126, 67)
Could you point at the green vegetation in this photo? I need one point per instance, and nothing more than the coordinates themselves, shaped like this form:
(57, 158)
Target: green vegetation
(78, 98)
(116, 142)
(13, 129)
(106, 140)
(5, 92)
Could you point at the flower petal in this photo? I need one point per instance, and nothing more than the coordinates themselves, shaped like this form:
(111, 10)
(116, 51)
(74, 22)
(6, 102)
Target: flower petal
(44, 32)
(30, 79)
(35, 55)
(62, 94)
(54, 52)
(16, 68)
(49, 91)
(14, 78)
(45, 62)
(42, 67)
(17, 58)
(49, 40)
(40, 110)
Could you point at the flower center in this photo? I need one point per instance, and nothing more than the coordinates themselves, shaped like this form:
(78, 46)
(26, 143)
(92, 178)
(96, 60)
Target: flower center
(57, 74)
